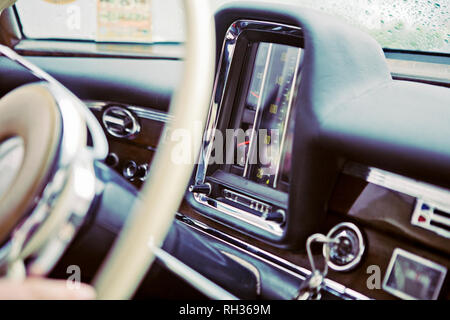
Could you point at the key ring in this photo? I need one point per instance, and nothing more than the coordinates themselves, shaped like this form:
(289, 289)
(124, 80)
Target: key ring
(318, 237)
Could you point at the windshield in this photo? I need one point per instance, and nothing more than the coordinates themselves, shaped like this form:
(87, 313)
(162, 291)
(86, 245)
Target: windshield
(418, 25)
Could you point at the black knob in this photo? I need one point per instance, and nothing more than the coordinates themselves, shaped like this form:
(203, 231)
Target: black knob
(204, 188)
(112, 160)
(278, 216)
(142, 171)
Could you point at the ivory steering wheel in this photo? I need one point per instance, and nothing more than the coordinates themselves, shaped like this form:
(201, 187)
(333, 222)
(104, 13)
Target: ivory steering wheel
(37, 114)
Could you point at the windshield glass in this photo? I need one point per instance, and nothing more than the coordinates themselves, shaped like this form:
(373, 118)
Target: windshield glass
(418, 25)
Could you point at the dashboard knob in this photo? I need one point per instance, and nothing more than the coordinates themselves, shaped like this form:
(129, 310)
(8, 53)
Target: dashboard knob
(278, 216)
(142, 172)
(204, 188)
(347, 252)
(129, 170)
(112, 160)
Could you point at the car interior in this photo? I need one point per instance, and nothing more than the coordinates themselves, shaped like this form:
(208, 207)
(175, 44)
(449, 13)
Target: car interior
(278, 152)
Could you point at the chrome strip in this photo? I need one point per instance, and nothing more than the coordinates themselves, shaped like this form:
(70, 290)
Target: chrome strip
(150, 114)
(198, 281)
(288, 114)
(251, 148)
(395, 182)
(419, 70)
(432, 196)
(141, 112)
(250, 267)
(301, 273)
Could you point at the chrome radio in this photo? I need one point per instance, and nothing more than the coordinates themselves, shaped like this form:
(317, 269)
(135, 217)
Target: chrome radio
(243, 170)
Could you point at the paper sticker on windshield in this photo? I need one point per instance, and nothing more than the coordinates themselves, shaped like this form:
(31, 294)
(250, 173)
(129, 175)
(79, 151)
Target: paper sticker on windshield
(124, 20)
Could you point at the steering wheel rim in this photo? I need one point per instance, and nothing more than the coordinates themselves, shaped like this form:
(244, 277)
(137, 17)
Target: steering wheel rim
(147, 227)
(54, 204)
(39, 126)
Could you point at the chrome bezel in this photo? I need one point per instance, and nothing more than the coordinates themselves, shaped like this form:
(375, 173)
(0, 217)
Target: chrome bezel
(428, 263)
(228, 48)
(362, 248)
(134, 131)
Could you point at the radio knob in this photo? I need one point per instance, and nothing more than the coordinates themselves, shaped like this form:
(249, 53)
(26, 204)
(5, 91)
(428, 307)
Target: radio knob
(129, 170)
(204, 188)
(278, 216)
(142, 172)
(112, 160)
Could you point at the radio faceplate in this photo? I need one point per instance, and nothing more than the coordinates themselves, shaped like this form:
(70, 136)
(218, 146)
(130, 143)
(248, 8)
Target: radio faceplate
(246, 154)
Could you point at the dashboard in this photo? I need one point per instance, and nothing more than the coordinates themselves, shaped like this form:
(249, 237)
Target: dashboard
(327, 100)
(266, 180)
(307, 132)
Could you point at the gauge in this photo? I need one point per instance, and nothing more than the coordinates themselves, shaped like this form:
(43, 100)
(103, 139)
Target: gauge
(254, 92)
(273, 111)
(266, 111)
(412, 277)
(252, 102)
(242, 148)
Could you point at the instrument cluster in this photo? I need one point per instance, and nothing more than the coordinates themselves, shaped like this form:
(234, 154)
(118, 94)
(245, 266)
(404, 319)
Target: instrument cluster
(243, 175)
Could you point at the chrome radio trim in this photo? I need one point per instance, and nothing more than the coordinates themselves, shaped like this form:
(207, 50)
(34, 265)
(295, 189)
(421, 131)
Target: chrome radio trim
(239, 214)
(226, 58)
(256, 205)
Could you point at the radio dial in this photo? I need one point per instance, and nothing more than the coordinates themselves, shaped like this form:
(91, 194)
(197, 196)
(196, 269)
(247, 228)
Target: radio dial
(204, 188)
(112, 160)
(129, 170)
(142, 172)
